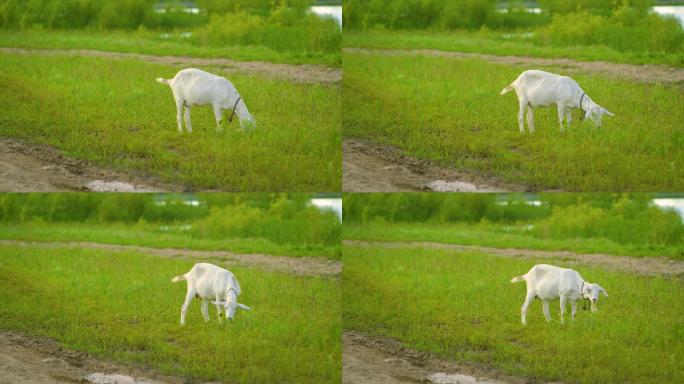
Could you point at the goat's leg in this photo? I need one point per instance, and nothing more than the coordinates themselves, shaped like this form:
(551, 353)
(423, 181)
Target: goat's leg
(563, 304)
(179, 115)
(523, 310)
(530, 119)
(568, 117)
(546, 311)
(521, 114)
(205, 309)
(573, 304)
(218, 310)
(561, 115)
(186, 303)
(188, 123)
(217, 116)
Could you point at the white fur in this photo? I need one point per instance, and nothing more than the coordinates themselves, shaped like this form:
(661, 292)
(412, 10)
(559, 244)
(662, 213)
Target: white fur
(192, 87)
(211, 283)
(547, 282)
(541, 89)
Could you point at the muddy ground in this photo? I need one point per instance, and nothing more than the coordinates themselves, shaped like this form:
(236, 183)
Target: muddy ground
(377, 360)
(41, 168)
(650, 266)
(316, 266)
(303, 73)
(646, 73)
(33, 360)
(368, 167)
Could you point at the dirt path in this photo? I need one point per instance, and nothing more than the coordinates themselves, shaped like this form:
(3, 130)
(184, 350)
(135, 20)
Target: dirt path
(646, 73)
(375, 360)
(32, 360)
(650, 266)
(368, 167)
(303, 73)
(317, 266)
(41, 168)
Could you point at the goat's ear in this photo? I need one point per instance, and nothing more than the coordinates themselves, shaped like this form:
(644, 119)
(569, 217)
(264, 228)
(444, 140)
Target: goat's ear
(607, 112)
(587, 113)
(603, 291)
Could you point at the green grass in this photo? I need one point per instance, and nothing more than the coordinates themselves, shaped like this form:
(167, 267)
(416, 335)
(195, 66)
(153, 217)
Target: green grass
(157, 236)
(155, 43)
(450, 111)
(461, 307)
(113, 113)
(499, 236)
(123, 307)
(499, 43)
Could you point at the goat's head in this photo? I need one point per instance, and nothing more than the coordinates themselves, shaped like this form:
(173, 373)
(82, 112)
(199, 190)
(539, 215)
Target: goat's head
(595, 113)
(591, 292)
(231, 305)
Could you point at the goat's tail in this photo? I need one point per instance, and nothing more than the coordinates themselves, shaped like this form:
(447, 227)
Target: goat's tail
(507, 89)
(178, 278)
(518, 279)
(162, 80)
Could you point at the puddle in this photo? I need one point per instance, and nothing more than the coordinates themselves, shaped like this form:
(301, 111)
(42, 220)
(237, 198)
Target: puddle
(457, 378)
(115, 378)
(456, 186)
(115, 186)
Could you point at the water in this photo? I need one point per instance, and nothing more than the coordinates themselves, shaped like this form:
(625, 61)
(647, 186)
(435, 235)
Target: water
(334, 11)
(674, 204)
(673, 10)
(332, 204)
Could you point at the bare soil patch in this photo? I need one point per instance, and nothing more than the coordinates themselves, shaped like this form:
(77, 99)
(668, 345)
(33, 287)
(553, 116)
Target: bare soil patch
(303, 73)
(41, 168)
(33, 360)
(645, 73)
(650, 266)
(368, 167)
(376, 360)
(317, 266)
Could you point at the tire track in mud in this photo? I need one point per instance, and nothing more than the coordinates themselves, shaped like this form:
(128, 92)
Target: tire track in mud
(640, 73)
(305, 266)
(649, 266)
(41, 168)
(368, 167)
(298, 73)
(28, 360)
(376, 360)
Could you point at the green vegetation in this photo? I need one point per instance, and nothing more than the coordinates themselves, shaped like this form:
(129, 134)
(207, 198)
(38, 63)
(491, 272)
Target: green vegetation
(113, 113)
(461, 307)
(122, 306)
(247, 223)
(601, 223)
(282, 31)
(623, 31)
(430, 109)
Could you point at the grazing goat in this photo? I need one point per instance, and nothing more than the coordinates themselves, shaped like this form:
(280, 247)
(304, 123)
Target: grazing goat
(541, 89)
(196, 87)
(211, 283)
(547, 282)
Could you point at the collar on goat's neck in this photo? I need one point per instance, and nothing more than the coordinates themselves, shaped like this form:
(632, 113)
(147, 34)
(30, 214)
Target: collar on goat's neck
(580, 105)
(230, 119)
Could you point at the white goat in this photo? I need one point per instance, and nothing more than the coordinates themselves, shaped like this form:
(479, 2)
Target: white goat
(196, 87)
(211, 283)
(547, 282)
(541, 89)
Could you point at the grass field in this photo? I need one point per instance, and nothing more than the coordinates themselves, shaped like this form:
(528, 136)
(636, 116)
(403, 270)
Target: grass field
(122, 306)
(450, 111)
(461, 307)
(499, 43)
(156, 43)
(500, 236)
(157, 236)
(113, 113)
